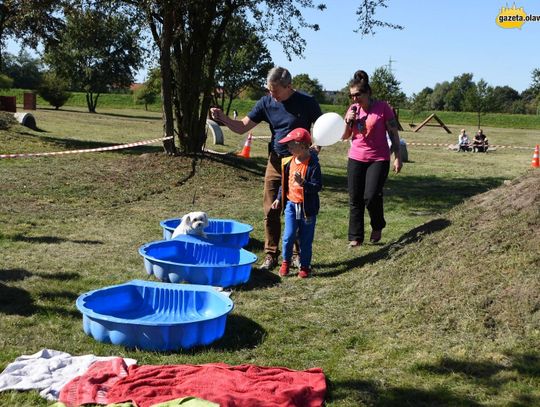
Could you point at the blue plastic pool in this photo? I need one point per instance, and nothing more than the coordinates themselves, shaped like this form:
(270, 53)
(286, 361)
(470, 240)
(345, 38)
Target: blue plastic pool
(197, 261)
(155, 316)
(219, 231)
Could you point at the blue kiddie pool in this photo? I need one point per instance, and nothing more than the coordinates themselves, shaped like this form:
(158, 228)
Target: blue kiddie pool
(219, 231)
(155, 316)
(197, 261)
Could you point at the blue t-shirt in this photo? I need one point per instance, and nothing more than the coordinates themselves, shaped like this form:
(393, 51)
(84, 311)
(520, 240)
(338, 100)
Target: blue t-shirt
(299, 110)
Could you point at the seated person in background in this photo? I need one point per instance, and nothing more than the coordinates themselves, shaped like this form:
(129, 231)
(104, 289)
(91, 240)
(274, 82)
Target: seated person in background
(463, 141)
(480, 142)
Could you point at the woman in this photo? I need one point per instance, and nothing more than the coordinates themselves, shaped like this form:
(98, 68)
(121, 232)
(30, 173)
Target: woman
(463, 141)
(368, 120)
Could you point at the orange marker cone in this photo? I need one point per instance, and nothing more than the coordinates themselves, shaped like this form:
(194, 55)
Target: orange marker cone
(536, 161)
(247, 147)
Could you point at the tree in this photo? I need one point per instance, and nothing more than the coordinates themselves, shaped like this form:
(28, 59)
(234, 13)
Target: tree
(535, 85)
(438, 95)
(145, 95)
(385, 86)
(420, 102)
(23, 69)
(98, 51)
(453, 100)
(190, 37)
(244, 62)
(366, 17)
(310, 86)
(531, 95)
(503, 98)
(54, 90)
(30, 22)
(148, 93)
(5, 81)
(253, 92)
(477, 99)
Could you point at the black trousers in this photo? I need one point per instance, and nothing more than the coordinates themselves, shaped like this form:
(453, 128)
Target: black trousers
(365, 182)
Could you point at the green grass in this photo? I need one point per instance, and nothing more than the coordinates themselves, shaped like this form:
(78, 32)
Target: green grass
(243, 106)
(443, 312)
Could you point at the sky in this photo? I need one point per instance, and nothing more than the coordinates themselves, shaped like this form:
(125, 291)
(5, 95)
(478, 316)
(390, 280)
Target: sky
(441, 39)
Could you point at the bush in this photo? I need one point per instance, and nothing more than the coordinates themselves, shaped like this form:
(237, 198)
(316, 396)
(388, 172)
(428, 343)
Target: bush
(144, 95)
(7, 120)
(54, 90)
(5, 81)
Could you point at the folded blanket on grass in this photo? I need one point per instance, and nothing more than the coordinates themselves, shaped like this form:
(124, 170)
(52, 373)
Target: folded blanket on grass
(234, 386)
(47, 370)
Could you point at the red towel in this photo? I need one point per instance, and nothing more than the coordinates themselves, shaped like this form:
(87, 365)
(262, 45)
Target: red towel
(92, 387)
(232, 386)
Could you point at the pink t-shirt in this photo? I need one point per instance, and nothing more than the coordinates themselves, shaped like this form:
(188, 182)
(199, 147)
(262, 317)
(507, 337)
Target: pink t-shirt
(369, 143)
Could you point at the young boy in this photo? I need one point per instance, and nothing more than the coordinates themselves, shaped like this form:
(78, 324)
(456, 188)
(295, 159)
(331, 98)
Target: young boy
(298, 195)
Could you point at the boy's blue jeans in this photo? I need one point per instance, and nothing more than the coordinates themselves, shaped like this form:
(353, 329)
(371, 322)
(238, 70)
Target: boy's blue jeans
(304, 227)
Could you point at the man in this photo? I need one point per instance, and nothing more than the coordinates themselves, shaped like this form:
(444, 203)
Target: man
(284, 109)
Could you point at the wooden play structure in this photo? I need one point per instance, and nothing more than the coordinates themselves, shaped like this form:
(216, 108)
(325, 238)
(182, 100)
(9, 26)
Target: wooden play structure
(432, 116)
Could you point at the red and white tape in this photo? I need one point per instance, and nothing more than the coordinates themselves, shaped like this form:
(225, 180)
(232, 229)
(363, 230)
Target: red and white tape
(88, 150)
(142, 143)
(431, 144)
(454, 145)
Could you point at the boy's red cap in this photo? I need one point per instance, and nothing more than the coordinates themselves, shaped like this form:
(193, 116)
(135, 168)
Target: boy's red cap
(300, 135)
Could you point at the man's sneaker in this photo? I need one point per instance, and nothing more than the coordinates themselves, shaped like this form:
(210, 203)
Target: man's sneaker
(295, 261)
(269, 263)
(284, 269)
(304, 272)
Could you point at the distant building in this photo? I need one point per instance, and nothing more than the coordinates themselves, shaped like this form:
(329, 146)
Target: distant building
(135, 86)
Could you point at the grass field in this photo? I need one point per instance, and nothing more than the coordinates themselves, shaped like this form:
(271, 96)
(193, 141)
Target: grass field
(444, 311)
(468, 119)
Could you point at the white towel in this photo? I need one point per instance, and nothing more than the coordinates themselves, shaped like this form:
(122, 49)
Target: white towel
(48, 371)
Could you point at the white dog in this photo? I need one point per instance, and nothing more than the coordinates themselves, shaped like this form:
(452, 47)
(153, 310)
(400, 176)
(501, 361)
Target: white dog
(192, 223)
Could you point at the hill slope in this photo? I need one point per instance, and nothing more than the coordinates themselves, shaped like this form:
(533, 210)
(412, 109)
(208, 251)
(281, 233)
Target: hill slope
(480, 275)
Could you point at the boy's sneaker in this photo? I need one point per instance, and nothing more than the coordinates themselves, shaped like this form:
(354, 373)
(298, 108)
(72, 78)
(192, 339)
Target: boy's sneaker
(304, 272)
(284, 269)
(269, 263)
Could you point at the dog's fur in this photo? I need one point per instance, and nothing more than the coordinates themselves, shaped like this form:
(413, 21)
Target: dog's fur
(192, 223)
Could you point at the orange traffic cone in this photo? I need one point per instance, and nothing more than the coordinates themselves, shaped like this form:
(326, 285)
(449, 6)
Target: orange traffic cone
(247, 147)
(536, 161)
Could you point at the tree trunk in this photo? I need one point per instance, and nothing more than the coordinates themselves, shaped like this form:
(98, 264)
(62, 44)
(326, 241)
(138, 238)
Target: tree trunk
(166, 82)
(196, 50)
(229, 103)
(90, 102)
(3, 12)
(189, 50)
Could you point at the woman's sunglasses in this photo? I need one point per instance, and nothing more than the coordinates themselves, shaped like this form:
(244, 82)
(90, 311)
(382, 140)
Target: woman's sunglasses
(355, 95)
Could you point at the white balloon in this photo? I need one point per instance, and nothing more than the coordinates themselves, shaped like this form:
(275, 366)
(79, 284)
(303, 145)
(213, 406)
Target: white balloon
(328, 129)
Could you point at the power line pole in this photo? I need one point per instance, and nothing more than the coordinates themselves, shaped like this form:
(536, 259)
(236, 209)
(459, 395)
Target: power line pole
(389, 66)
